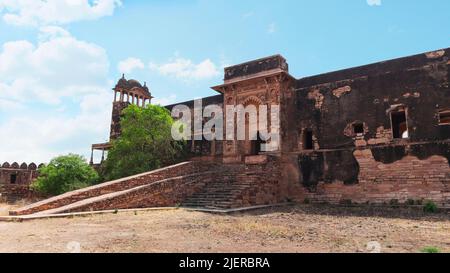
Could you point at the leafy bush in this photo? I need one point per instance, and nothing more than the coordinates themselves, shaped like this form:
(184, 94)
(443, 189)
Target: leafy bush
(430, 206)
(430, 249)
(64, 174)
(145, 143)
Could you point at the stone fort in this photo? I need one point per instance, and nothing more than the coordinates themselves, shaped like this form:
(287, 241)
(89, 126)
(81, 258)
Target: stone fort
(374, 134)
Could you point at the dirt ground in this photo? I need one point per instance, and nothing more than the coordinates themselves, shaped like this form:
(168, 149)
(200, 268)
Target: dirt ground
(5, 207)
(300, 228)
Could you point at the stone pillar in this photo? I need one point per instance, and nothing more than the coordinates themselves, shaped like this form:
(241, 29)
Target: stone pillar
(92, 157)
(103, 155)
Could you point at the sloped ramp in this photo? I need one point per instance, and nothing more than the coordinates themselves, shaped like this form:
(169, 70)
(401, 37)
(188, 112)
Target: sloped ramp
(115, 186)
(163, 193)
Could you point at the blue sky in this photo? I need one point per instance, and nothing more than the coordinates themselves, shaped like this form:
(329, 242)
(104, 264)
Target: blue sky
(59, 59)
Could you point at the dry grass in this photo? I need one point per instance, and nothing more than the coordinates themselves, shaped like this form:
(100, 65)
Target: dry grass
(288, 229)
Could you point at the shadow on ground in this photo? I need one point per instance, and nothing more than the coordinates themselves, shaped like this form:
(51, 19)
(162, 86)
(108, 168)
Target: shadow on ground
(413, 213)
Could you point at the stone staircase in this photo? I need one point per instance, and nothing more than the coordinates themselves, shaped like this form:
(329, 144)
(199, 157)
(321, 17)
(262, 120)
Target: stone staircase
(217, 195)
(239, 185)
(194, 184)
(222, 193)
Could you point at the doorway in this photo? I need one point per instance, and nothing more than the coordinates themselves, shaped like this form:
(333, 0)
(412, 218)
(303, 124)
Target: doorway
(13, 179)
(399, 124)
(308, 142)
(255, 145)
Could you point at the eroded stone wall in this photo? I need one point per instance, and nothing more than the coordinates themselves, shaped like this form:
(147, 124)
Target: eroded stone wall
(355, 152)
(15, 180)
(404, 180)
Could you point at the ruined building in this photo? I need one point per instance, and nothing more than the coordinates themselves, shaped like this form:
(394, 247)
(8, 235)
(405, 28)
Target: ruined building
(375, 133)
(15, 179)
(378, 133)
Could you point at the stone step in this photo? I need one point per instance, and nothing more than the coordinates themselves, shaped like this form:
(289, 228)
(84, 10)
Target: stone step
(220, 194)
(212, 195)
(229, 185)
(220, 191)
(211, 198)
(208, 202)
(200, 204)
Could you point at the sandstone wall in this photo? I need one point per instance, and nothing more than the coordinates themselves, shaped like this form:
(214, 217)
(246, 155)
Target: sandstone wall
(406, 179)
(266, 187)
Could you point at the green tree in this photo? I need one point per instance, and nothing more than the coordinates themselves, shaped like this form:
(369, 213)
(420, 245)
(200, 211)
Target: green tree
(63, 174)
(145, 143)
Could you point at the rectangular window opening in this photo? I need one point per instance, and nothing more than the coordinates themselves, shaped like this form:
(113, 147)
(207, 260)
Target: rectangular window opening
(358, 128)
(399, 124)
(13, 178)
(308, 143)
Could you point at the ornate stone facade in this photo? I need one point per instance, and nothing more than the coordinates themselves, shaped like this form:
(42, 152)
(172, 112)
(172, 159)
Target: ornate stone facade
(341, 131)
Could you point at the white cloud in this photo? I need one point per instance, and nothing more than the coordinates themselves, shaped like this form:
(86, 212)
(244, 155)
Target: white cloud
(272, 28)
(44, 12)
(59, 70)
(127, 66)
(186, 69)
(39, 137)
(9, 105)
(51, 32)
(58, 66)
(374, 2)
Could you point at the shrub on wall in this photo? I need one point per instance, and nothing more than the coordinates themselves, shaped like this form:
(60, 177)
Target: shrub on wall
(430, 206)
(64, 174)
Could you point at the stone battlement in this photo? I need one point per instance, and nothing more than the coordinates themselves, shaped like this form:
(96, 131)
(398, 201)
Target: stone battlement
(255, 67)
(24, 166)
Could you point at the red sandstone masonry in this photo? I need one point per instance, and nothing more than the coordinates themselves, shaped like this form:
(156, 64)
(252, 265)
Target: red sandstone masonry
(164, 193)
(265, 189)
(242, 185)
(13, 193)
(114, 186)
(408, 178)
(261, 179)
